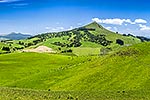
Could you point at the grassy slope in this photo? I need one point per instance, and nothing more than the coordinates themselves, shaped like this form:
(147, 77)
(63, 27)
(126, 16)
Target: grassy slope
(28, 94)
(127, 70)
(23, 66)
(87, 48)
(49, 42)
(111, 35)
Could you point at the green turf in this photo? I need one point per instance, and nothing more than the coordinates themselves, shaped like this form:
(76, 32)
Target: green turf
(86, 51)
(29, 94)
(124, 74)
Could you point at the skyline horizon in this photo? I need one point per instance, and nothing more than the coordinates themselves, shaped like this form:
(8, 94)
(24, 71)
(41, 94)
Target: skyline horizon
(36, 17)
(69, 30)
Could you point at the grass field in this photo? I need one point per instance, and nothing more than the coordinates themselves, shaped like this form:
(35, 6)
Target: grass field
(123, 75)
(29, 94)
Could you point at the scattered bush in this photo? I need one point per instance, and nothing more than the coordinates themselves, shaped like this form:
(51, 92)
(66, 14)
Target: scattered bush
(6, 48)
(120, 42)
(67, 51)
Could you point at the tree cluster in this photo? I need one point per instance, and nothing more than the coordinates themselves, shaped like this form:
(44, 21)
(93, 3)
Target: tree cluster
(99, 39)
(6, 48)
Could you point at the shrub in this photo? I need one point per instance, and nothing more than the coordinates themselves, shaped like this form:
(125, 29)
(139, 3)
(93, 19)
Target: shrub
(120, 42)
(6, 48)
(65, 51)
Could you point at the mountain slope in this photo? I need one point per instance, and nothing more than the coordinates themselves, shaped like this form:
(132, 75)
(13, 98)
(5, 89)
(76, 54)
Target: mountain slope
(83, 39)
(129, 40)
(79, 41)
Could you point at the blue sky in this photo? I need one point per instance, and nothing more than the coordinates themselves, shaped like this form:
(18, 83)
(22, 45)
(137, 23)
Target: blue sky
(39, 16)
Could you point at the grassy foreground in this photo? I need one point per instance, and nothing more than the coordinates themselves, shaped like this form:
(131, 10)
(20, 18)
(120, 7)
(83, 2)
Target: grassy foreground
(26, 94)
(124, 75)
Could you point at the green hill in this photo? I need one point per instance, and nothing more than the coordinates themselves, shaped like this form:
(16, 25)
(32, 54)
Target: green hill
(122, 75)
(82, 40)
(112, 36)
(79, 41)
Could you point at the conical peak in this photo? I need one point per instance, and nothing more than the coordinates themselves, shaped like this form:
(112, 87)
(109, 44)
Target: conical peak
(94, 25)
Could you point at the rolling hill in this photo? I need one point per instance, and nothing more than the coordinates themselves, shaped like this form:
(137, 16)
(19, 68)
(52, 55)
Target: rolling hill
(79, 41)
(123, 74)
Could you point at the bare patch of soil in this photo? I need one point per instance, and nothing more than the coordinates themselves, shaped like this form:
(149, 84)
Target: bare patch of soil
(41, 49)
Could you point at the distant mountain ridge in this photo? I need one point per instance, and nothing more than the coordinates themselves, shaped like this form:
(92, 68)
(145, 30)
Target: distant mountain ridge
(15, 36)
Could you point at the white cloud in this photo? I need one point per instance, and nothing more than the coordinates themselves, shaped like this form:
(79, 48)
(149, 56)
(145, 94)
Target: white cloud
(144, 27)
(140, 21)
(71, 27)
(97, 20)
(55, 29)
(128, 21)
(109, 28)
(115, 21)
(7, 1)
(118, 21)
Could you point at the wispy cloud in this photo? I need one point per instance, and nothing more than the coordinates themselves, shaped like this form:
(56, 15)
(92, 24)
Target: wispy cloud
(8, 1)
(118, 21)
(71, 27)
(140, 21)
(109, 28)
(16, 5)
(56, 29)
(20, 4)
(144, 27)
